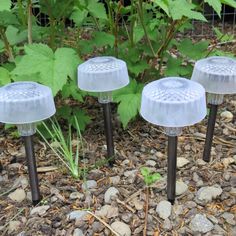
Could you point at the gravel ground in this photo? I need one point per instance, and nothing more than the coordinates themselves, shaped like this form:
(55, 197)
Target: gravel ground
(112, 201)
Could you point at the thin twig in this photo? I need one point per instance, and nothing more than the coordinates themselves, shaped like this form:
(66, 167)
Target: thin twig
(30, 40)
(133, 195)
(125, 205)
(146, 212)
(103, 222)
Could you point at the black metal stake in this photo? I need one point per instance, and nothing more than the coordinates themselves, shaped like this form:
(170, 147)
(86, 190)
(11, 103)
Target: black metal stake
(33, 175)
(109, 133)
(172, 160)
(210, 132)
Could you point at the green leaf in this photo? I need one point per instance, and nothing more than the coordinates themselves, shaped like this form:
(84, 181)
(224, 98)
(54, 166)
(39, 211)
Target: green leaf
(223, 37)
(138, 33)
(5, 5)
(82, 117)
(7, 18)
(145, 171)
(97, 9)
(79, 16)
(138, 67)
(129, 99)
(231, 3)
(71, 89)
(53, 68)
(5, 77)
(180, 8)
(155, 177)
(175, 67)
(14, 36)
(193, 50)
(68, 113)
(102, 39)
(164, 5)
(216, 5)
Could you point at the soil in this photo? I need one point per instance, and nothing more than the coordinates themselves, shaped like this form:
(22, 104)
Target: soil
(135, 146)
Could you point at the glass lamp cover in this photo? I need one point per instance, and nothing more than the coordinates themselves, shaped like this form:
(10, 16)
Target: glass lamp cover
(102, 74)
(173, 102)
(25, 103)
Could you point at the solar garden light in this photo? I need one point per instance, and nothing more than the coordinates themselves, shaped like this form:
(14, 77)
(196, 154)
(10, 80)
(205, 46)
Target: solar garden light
(218, 77)
(173, 103)
(24, 104)
(104, 75)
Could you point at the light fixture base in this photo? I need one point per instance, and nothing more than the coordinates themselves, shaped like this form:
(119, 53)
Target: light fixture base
(215, 99)
(105, 97)
(26, 129)
(173, 131)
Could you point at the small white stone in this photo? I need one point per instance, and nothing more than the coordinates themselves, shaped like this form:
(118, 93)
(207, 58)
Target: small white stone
(121, 228)
(181, 162)
(206, 194)
(76, 195)
(18, 195)
(167, 224)
(90, 184)
(201, 224)
(110, 193)
(108, 211)
(77, 215)
(14, 225)
(78, 232)
(227, 116)
(181, 187)
(200, 162)
(229, 218)
(115, 179)
(164, 209)
(40, 210)
(150, 163)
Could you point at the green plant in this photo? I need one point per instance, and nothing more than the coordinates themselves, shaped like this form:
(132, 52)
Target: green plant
(142, 33)
(68, 149)
(149, 178)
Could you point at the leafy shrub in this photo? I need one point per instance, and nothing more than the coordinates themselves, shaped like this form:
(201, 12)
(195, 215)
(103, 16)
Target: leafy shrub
(142, 34)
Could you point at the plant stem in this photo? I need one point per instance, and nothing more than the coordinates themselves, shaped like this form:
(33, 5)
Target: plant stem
(141, 18)
(21, 13)
(146, 212)
(7, 44)
(52, 26)
(30, 40)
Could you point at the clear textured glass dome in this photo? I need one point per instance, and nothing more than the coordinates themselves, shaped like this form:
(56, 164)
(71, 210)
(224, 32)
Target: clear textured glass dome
(173, 102)
(25, 103)
(102, 74)
(216, 74)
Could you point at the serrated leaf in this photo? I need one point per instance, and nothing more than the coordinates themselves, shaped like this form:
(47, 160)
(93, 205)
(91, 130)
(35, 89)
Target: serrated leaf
(71, 89)
(5, 77)
(14, 36)
(5, 5)
(138, 33)
(129, 99)
(138, 67)
(53, 68)
(145, 171)
(193, 50)
(102, 39)
(174, 67)
(231, 3)
(7, 18)
(79, 16)
(97, 9)
(164, 5)
(180, 8)
(216, 5)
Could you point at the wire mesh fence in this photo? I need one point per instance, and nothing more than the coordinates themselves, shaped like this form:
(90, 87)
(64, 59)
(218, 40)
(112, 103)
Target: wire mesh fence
(226, 24)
